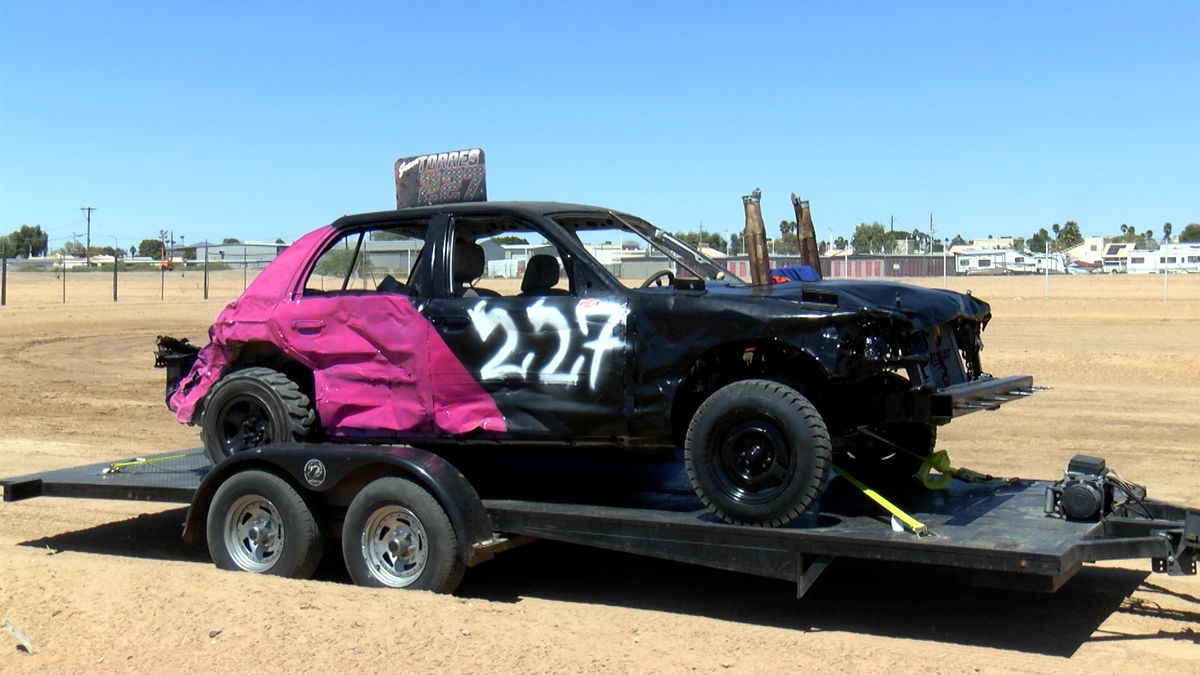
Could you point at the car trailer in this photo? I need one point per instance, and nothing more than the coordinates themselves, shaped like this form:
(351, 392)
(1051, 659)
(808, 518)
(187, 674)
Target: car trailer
(407, 517)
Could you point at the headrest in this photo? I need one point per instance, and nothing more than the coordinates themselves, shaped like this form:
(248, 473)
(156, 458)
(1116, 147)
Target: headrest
(468, 262)
(541, 272)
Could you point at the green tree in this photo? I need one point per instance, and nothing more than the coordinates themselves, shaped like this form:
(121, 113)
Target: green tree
(1166, 233)
(335, 262)
(871, 238)
(231, 240)
(150, 248)
(511, 239)
(1068, 235)
(737, 245)
(958, 241)
(1129, 234)
(1147, 241)
(26, 241)
(1190, 234)
(711, 240)
(70, 247)
(1040, 240)
(840, 243)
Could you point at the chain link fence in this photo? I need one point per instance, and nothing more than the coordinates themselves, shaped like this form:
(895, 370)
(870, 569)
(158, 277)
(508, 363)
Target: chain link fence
(23, 282)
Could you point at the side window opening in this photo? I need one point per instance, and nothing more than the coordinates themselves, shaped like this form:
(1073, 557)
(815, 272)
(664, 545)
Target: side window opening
(505, 257)
(386, 260)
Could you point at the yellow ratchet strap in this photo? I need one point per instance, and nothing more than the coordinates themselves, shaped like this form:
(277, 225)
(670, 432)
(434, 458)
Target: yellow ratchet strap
(116, 467)
(915, 526)
(938, 461)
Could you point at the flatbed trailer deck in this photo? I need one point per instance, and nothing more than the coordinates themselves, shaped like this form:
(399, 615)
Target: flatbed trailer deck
(993, 534)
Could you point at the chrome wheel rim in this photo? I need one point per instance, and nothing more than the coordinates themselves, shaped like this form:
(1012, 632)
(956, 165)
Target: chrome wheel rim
(395, 546)
(254, 533)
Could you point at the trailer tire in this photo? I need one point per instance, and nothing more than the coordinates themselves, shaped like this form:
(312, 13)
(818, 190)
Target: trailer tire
(257, 522)
(874, 462)
(396, 535)
(252, 407)
(757, 453)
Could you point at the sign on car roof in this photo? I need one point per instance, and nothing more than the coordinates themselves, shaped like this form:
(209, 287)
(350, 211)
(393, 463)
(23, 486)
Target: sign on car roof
(441, 178)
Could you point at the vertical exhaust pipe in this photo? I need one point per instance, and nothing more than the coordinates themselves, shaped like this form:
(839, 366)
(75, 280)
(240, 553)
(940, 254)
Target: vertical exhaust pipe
(807, 235)
(756, 240)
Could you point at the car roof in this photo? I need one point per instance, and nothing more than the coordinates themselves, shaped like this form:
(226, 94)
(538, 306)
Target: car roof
(527, 208)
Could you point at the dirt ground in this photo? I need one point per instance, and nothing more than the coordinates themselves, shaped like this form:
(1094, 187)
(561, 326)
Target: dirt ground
(108, 586)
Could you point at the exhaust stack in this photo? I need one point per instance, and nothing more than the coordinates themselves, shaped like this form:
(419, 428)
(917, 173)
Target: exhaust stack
(807, 235)
(756, 240)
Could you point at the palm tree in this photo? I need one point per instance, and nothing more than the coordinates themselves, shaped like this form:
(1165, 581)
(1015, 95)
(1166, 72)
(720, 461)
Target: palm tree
(1166, 233)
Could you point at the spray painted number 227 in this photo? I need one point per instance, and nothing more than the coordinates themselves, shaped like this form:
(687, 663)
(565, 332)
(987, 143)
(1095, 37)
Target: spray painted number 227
(587, 336)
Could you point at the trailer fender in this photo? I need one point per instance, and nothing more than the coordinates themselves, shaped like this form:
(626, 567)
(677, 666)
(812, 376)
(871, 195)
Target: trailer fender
(321, 471)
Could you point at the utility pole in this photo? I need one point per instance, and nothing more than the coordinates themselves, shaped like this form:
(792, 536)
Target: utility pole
(87, 251)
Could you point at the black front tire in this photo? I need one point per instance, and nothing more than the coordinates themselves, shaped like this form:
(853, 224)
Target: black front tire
(757, 453)
(258, 523)
(396, 535)
(252, 407)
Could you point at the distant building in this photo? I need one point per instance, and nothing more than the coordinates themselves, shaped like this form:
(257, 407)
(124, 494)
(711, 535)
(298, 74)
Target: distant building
(993, 244)
(250, 253)
(1091, 250)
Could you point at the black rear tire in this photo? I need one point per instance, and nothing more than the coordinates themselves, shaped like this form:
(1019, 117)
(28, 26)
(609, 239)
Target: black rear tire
(757, 453)
(396, 535)
(252, 407)
(258, 523)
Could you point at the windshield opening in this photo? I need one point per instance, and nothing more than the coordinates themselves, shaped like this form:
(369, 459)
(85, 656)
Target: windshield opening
(633, 249)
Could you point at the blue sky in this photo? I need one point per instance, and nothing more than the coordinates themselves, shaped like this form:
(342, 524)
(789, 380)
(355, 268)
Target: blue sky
(260, 120)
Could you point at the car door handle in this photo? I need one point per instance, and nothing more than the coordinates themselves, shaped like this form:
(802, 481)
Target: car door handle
(308, 325)
(452, 321)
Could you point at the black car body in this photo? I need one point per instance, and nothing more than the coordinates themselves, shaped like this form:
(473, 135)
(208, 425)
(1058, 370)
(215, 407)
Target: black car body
(381, 327)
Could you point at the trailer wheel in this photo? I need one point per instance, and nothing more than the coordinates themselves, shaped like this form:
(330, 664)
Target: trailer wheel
(396, 535)
(876, 462)
(757, 453)
(253, 407)
(259, 523)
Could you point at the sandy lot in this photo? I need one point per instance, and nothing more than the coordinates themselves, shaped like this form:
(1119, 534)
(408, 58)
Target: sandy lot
(108, 586)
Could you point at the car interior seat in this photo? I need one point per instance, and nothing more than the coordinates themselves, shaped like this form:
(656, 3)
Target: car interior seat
(468, 263)
(541, 275)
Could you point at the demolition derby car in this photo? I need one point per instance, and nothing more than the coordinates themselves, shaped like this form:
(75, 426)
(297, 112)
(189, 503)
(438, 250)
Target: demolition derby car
(411, 326)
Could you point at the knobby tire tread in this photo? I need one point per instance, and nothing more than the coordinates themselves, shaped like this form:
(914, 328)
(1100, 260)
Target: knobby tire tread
(812, 419)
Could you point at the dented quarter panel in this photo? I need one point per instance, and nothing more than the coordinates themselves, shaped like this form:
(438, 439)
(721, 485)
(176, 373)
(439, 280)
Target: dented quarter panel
(373, 357)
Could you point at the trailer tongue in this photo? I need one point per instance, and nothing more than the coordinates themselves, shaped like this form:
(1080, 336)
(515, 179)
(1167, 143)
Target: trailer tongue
(1027, 534)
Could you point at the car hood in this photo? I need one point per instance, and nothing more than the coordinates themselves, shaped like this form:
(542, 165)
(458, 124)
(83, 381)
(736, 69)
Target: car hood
(923, 307)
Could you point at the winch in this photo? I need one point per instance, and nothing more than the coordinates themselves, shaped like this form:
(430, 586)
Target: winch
(1089, 490)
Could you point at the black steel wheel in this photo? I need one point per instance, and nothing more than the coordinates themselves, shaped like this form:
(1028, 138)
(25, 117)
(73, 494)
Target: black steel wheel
(757, 453)
(253, 407)
(258, 523)
(396, 535)
(884, 454)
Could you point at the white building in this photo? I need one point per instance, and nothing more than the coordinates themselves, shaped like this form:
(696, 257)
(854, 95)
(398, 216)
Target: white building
(1091, 250)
